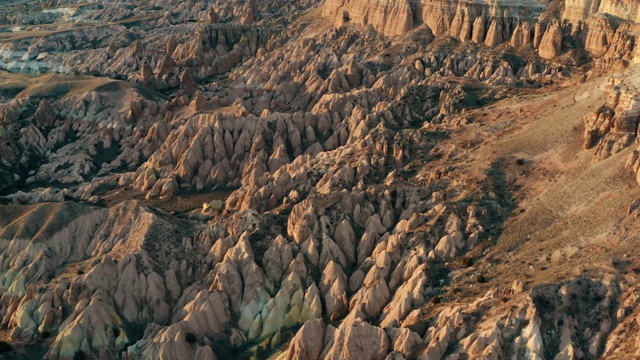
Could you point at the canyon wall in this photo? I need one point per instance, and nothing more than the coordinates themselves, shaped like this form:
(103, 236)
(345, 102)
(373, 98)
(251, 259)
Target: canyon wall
(390, 17)
(578, 10)
(595, 25)
(624, 9)
(396, 17)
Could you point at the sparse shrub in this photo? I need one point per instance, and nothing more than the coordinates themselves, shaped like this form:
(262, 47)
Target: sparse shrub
(190, 338)
(520, 161)
(467, 261)
(481, 279)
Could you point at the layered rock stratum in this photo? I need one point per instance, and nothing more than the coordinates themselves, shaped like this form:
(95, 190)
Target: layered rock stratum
(367, 179)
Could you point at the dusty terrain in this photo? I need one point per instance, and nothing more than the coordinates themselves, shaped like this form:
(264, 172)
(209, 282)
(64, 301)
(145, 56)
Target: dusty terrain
(319, 179)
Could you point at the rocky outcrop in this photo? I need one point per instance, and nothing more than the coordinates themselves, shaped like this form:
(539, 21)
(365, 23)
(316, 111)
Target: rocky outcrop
(589, 23)
(100, 296)
(460, 18)
(599, 36)
(386, 16)
(613, 126)
(231, 300)
(621, 52)
(248, 16)
(580, 10)
(551, 43)
(353, 195)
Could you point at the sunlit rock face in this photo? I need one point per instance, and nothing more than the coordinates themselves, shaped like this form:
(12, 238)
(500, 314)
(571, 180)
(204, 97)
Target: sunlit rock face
(398, 17)
(590, 24)
(306, 179)
(387, 16)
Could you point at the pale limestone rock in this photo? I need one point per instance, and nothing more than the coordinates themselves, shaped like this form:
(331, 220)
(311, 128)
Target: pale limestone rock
(404, 341)
(389, 17)
(331, 252)
(277, 258)
(199, 102)
(551, 43)
(479, 29)
(248, 14)
(308, 342)
(302, 222)
(333, 287)
(494, 35)
(360, 340)
(373, 296)
(345, 238)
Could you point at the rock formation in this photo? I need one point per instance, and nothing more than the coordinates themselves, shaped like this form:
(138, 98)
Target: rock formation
(305, 179)
(589, 23)
(613, 125)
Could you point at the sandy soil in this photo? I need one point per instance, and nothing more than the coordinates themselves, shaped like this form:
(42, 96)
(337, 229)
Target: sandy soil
(567, 208)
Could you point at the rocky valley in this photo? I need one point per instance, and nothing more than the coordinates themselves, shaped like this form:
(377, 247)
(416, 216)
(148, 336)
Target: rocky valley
(320, 179)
